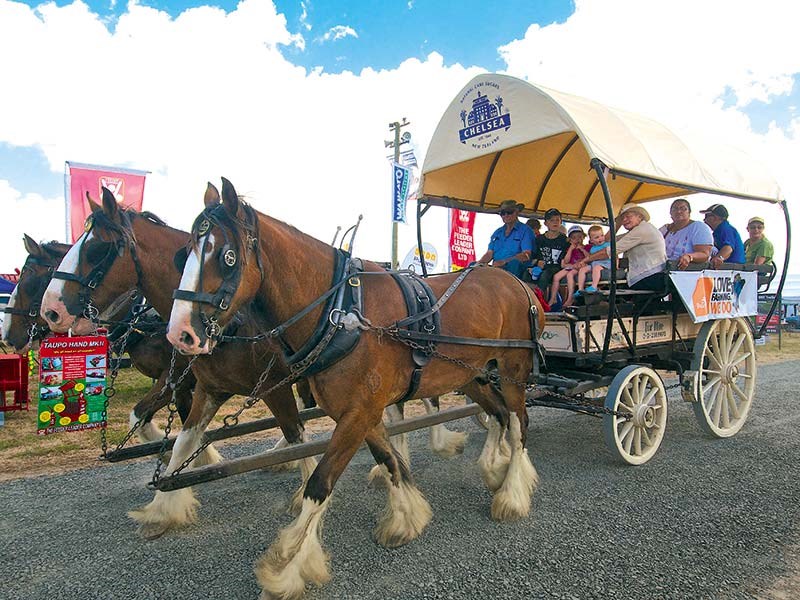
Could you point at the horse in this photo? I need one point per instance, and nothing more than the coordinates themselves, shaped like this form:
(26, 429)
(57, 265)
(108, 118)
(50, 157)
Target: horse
(238, 255)
(150, 355)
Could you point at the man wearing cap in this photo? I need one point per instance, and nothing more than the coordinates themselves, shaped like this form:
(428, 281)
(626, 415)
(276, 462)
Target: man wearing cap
(643, 246)
(512, 244)
(727, 240)
(552, 246)
(758, 249)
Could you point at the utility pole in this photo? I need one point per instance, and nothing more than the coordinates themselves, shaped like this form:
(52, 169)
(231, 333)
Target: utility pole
(396, 143)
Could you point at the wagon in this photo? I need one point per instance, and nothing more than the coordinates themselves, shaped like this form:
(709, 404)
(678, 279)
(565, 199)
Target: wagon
(504, 138)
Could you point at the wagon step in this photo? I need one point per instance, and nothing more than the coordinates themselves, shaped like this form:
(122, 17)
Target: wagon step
(214, 435)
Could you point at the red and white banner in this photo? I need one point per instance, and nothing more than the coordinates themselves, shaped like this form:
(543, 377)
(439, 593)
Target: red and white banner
(462, 242)
(127, 185)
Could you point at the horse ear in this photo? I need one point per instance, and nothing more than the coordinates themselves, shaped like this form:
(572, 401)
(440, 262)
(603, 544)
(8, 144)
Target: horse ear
(212, 195)
(110, 206)
(92, 204)
(31, 246)
(230, 198)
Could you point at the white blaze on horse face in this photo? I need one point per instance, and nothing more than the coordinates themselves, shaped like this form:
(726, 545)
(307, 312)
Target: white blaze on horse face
(180, 319)
(52, 299)
(7, 317)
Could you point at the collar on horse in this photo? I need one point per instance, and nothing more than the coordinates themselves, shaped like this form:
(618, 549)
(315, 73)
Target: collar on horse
(98, 273)
(230, 266)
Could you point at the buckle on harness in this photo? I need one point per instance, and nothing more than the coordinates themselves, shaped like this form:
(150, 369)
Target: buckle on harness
(336, 322)
(354, 281)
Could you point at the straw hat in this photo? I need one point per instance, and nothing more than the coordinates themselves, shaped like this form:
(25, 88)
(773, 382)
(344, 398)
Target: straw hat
(510, 205)
(637, 207)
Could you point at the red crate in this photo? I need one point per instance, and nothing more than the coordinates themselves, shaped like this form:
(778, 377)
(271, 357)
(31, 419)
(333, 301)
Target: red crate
(13, 382)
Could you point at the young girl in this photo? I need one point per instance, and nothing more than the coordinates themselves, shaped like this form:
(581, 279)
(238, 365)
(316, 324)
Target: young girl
(575, 252)
(598, 240)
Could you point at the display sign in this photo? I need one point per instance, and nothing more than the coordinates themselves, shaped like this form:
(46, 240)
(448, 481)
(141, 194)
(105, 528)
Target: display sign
(462, 241)
(72, 383)
(412, 259)
(400, 182)
(717, 294)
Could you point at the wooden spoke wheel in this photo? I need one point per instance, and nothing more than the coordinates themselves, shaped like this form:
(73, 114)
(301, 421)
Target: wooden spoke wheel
(639, 400)
(725, 362)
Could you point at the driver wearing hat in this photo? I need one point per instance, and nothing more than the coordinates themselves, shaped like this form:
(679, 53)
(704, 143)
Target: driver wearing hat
(511, 245)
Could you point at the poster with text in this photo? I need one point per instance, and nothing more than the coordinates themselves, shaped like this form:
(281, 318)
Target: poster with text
(72, 383)
(462, 242)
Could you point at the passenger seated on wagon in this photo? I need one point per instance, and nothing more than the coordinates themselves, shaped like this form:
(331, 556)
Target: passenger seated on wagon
(512, 245)
(576, 251)
(599, 242)
(552, 245)
(687, 241)
(758, 249)
(727, 240)
(643, 246)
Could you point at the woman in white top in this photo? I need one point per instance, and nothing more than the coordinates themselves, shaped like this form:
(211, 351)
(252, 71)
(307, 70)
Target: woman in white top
(643, 246)
(687, 241)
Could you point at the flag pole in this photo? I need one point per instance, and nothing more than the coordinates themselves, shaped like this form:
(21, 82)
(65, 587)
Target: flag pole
(396, 127)
(67, 211)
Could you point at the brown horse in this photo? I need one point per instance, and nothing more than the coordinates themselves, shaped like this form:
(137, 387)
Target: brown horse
(149, 355)
(240, 255)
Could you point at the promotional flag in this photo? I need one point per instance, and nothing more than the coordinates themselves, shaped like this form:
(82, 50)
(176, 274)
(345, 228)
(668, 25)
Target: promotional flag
(72, 383)
(400, 180)
(717, 294)
(127, 185)
(462, 244)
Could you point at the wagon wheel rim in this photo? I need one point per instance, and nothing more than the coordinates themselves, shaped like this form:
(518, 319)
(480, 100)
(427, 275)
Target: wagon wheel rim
(638, 401)
(726, 369)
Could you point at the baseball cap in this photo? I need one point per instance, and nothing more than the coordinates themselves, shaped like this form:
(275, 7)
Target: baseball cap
(575, 229)
(756, 220)
(552, 212)
(717, 209)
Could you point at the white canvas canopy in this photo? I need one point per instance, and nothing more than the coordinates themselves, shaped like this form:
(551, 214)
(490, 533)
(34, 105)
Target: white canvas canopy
(503, 138)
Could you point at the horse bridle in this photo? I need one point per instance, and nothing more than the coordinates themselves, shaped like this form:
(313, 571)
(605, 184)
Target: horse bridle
(97, 274)
(33, 310)
(230, 266)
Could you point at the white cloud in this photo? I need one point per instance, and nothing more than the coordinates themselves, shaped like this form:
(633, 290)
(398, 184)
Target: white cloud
(338, 32)
(210, 93)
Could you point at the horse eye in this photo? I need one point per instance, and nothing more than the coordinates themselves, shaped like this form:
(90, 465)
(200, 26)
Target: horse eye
(98, 251)
(180, 259)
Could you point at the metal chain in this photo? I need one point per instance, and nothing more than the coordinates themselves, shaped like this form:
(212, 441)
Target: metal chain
(173, 408)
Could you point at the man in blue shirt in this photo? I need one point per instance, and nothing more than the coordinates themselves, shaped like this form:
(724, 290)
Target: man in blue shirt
(512, 245)
(727, 240)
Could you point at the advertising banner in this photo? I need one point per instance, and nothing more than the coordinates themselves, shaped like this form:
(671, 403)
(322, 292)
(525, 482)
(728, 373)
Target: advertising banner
(401, 177)
(127, 185)
(714, 294)
(462, 242)
(72, 382)
(412, 259)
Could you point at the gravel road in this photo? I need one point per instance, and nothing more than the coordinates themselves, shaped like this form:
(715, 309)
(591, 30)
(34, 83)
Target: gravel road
(704, 519)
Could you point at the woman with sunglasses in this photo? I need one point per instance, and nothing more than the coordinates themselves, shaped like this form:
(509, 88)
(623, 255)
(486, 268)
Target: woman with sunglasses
(758, 249)
(687, 241)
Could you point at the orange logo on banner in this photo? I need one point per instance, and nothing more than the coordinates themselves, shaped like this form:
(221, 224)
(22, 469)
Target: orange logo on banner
(701, 297)
(115, 185)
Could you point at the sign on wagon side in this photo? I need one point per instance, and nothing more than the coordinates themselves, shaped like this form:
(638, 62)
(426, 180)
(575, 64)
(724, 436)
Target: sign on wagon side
(72, 383)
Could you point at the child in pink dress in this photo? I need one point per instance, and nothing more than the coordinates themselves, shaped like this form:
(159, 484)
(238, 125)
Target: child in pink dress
(574, 253)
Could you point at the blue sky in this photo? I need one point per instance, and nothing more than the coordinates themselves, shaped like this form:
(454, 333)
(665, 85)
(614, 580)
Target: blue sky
(735, 72)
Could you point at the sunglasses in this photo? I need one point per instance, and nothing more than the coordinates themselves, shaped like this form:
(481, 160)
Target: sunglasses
(507, 212)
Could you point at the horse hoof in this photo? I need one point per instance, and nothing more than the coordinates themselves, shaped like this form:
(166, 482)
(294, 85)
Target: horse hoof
(152, 531)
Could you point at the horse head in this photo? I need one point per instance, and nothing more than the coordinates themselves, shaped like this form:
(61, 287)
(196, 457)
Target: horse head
(22, 321)
(99, 274)
(222, 270)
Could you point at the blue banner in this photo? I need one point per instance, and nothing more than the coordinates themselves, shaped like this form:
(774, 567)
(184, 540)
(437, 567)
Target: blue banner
(400, 180)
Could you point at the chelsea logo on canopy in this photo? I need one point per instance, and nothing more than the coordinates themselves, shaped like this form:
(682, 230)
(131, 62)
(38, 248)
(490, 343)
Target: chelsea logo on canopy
(484, 116)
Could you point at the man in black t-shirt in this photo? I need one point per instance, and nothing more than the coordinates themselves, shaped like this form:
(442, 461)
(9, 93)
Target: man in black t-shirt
(552, 245)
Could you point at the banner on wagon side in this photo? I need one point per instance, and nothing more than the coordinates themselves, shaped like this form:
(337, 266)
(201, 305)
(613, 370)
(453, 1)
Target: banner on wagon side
(714, 294)
(72, 383)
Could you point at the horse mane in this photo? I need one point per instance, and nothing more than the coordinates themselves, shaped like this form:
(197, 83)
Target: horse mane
(55, 248)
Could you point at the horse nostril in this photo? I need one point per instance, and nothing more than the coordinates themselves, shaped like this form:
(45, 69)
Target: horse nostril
(186, 339)
(51, 316)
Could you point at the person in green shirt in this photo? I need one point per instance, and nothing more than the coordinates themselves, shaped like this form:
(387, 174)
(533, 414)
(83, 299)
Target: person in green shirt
(758, 249)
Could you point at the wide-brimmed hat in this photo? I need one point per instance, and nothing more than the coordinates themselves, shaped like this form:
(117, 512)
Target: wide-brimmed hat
(717, 209)
(637, 207)
(510, 205)
(756, 220)
(575, 229)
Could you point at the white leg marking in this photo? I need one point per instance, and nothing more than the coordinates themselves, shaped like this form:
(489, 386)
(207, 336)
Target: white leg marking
(307, 466)
(171, 509)
(379, 475)
(406, 514)
(147, 432)
(492, 462)
(296, 557)
(513, 499)
(443, 442)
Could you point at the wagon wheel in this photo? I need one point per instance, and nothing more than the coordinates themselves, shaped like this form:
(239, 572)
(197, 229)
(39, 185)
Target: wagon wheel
(639, 399)
(725, 362)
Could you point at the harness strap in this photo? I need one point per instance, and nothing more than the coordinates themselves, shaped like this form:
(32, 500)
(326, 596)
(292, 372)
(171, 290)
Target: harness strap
(436, 307)
(464, 341)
